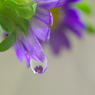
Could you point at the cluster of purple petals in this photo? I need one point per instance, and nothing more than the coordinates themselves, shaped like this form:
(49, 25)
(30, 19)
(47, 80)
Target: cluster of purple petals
(71, 21)
(38, 69)
(28, 47)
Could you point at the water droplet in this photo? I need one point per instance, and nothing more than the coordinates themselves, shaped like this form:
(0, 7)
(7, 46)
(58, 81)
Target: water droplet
(38, 67)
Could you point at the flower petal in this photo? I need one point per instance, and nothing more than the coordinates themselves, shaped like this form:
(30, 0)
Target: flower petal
(73, 16)
(72, 1)
(76, 29)
(48, 4)
(18, 51)
(33, 47)
(44, 15)
(21, 52)
(61, 2)
(27, 57)
(40, 29)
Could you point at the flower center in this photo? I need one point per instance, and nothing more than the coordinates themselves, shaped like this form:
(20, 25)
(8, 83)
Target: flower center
(57, 17)
(39, 71)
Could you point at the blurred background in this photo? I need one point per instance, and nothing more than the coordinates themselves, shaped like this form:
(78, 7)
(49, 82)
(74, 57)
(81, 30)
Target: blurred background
(70, 73)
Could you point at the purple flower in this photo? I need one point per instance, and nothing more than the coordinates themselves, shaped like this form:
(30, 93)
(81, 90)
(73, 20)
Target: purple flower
(67, 20)
(28, 47)
(38, 69)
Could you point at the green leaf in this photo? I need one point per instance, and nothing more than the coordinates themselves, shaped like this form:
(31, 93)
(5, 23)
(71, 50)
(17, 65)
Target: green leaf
(5, 25)
(26, 11)
(23, 25)
(1, 30)
(90, 28)
(2, 1)
(23, 1)
(83, 6)
(16, 20)
(8, 42)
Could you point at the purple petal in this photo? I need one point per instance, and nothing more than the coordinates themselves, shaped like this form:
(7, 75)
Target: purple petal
(33, 47)
(18, 51)
(66, 42)
(72, 13)
(44, 15)
(21, 52)
(40, 29)
(72, 1)
(27, 57)
(61, 2)
(76, 29)
(48, 4)
(58, 40)
(74, 22)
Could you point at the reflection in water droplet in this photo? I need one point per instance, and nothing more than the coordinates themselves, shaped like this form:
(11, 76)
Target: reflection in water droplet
(38, 67)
